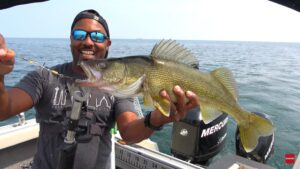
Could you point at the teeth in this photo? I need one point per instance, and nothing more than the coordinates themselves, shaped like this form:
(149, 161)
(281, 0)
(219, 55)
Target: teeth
(87, 52)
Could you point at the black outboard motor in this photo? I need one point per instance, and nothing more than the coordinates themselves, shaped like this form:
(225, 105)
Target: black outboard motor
(195, 141)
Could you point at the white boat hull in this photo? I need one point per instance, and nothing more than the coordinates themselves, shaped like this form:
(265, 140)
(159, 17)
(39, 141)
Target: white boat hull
(18, 147)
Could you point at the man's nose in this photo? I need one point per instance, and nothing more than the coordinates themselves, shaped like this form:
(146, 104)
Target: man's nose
(88, 40)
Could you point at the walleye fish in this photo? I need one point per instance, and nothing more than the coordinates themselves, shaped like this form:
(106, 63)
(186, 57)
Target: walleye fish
(170, 64)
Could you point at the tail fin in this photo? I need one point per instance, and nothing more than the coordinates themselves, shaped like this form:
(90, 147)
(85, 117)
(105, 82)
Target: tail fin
(251, 131)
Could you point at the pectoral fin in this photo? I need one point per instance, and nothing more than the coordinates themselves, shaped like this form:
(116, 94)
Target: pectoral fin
(147, 100)
(209, 113)
(163, 105)
(147, 97)
(131, 90)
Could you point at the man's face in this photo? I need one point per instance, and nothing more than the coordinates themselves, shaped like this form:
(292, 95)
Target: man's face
(87, 49)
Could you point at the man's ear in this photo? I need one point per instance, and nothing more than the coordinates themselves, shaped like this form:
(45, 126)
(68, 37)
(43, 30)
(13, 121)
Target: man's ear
(108, 43)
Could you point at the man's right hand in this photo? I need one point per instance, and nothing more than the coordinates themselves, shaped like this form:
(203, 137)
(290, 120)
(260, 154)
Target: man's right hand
(7, 58)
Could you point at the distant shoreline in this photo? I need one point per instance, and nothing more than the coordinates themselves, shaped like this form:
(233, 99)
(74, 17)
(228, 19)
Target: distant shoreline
(143, 39)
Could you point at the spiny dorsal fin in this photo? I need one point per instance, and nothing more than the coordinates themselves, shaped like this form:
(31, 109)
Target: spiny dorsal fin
(171, 50)
(225, 77)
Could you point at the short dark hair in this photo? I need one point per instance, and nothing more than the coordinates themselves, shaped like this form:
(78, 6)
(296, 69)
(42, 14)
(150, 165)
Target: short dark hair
(91, 14)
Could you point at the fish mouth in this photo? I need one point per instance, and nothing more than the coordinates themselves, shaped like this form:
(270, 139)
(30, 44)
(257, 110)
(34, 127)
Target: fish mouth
(93, 78)
(92, 75)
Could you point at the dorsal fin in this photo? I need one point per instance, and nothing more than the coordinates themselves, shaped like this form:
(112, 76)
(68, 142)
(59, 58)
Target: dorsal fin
(225, 77)
(171, 50)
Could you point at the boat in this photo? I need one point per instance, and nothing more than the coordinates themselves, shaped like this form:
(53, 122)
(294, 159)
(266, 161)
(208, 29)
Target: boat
(18, 140)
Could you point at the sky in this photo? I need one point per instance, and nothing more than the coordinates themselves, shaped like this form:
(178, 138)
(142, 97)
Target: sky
(233, 20)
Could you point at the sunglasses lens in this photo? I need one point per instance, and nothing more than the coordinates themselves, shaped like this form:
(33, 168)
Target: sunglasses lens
(79, 34)
(97, 36)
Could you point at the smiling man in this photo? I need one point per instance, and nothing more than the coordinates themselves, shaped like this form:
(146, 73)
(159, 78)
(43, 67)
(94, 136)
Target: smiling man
(53, 100)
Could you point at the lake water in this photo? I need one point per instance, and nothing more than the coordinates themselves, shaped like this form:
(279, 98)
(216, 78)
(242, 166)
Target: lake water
(267, 76)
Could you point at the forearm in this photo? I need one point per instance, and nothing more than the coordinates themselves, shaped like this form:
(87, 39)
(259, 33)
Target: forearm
(7, 62)
(4, 100)
(136, 131)
(2, 86)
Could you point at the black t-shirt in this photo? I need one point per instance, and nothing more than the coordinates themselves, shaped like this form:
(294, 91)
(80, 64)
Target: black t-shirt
(52, 100)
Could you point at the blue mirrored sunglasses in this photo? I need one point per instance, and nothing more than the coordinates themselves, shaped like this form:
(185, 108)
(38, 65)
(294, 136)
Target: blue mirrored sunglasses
(95, 35)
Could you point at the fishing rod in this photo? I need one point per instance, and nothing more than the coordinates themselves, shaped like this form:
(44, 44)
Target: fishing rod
(54, 72)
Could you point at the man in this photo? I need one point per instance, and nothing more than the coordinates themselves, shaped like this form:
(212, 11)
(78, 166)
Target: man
(52, 99)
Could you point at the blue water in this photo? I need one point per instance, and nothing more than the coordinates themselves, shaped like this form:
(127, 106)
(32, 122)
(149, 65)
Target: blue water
(267, 75)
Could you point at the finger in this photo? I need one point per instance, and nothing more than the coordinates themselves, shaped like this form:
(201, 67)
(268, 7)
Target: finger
(179, 93)
(193, 100)
(164, 94)
(7, 57)
(10, 53)
(2, 52)
(180, 103)
(2, 42)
